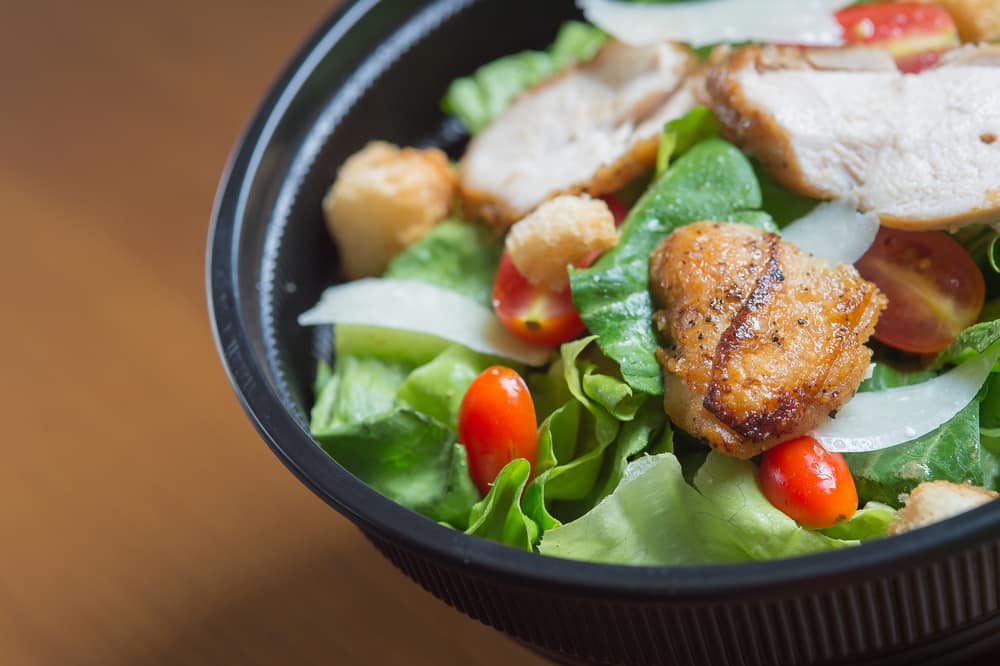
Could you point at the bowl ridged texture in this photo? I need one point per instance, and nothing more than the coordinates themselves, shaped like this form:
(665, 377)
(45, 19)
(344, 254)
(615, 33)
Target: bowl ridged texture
(899, 618)
(377, 70)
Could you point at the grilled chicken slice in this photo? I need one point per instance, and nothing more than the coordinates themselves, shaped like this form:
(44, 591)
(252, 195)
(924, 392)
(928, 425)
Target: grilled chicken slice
(589, 130)
(921, 150)
(763, 340)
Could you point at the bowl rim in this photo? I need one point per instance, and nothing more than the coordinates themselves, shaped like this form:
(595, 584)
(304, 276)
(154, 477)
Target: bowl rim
(374, 513)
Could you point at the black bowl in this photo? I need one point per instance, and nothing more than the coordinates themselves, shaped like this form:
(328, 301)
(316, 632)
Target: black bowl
(377, 70)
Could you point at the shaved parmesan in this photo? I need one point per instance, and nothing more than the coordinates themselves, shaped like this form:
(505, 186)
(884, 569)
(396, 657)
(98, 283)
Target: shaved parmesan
(421, 308)
(880, 419)
(805, 22)
(834, 231)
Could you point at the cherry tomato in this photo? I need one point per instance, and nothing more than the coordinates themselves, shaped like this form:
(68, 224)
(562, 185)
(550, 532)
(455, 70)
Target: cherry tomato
(617, 208)
(496, 423)
(934, 287)
(916, 34)
(808, 483)
(535, 314)
(532, 313)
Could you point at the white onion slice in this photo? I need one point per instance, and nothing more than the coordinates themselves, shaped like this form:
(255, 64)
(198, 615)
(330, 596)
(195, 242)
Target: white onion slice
(834, 231)
(422, 308)
(880, 419)
(805, 22)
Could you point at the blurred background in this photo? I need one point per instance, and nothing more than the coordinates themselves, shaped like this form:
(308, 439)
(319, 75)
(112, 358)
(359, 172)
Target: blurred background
(143, 520)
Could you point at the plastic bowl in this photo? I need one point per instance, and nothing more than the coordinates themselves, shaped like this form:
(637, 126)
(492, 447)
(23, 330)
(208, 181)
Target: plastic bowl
(377, 70)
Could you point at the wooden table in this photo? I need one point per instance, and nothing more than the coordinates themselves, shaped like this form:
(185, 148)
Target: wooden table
(144, 521)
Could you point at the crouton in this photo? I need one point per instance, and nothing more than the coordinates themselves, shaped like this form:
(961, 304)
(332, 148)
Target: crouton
(977, 20)
(563, 231)
(384, 199)
(934, 501)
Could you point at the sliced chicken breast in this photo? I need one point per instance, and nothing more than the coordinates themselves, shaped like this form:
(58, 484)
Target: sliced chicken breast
(763, 340)
(921, 150)
(588, 130)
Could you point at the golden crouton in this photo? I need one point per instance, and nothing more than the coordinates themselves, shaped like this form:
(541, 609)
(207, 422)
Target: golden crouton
(384, 199)
(934, 501)
(977, 20)
(560, 232)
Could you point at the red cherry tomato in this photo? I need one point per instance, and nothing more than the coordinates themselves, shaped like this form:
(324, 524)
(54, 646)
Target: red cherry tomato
(535, 314)
(808, 483)
(532, 313)
(496, 423)
(916, 34)
(617, 208)
(934, 287)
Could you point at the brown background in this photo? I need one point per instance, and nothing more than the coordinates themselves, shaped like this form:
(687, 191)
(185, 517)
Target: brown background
(142, 520)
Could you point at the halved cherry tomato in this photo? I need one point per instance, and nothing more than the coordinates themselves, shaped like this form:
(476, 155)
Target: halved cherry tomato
(496, 423)
(532, 313)
(916, 34)
(934, 287)
(617, 208)
(808, 483)
(535, 314)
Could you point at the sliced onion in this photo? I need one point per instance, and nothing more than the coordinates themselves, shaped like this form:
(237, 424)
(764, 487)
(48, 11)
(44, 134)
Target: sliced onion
(880, 419)
(834, 231)
(702, 22)
(420, 307)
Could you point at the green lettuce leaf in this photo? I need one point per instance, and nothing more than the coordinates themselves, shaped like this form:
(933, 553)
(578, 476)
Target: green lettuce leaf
(783, 205)
(460, 493)
(574, 372)
(403, 454)
(680, 134)
(713, 180)
(654, 517)
(476, 100)
(585, 444)
(974, 340)
(437, 388)
(455, 255)
(498, 516)
(406, 455)
(649, 431)
(989, 432)
(869, 522)
(369, 384)
(557, 441)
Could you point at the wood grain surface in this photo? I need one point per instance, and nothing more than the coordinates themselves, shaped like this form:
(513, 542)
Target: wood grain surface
(143, 520)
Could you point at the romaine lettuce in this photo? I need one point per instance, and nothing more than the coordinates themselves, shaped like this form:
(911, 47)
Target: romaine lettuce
(373, 383)
(869, 522)
(499, 516)
(480, 98)
(436, 388)
(364, 417)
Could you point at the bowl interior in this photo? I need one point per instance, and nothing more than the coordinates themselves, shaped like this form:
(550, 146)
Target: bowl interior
(394, 96)
(378, 71)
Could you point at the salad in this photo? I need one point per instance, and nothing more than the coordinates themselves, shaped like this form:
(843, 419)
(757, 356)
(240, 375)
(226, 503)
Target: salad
(691, 294)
